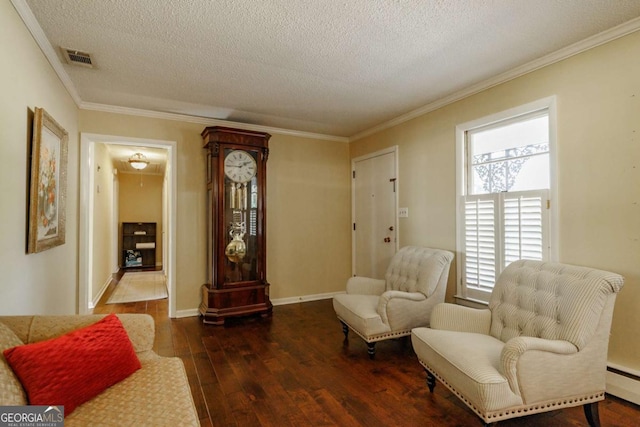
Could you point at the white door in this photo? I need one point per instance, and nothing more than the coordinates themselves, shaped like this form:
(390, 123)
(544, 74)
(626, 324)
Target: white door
(374, 213)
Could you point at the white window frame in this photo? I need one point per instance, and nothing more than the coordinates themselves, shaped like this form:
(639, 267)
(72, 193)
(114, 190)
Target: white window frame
(548, 104)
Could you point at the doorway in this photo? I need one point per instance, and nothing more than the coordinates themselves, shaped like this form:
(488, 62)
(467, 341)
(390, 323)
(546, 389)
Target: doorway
(90, 196)
(374, 206)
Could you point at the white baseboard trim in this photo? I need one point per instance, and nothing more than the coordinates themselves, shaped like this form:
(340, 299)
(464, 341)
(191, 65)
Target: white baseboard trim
(304, 298)
(103, 289)
(192, 312)
(625, 383)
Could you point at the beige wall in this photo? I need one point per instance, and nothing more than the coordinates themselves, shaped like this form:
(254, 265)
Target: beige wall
(45, 282)
(308, 216)
(598, 104)
(141, 203)
(308, 209)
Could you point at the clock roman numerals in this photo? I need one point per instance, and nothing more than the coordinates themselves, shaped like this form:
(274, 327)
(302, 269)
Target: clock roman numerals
(240, 166)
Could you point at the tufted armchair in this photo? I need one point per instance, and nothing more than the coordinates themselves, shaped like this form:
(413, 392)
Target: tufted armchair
(376, 310)
(540, 346)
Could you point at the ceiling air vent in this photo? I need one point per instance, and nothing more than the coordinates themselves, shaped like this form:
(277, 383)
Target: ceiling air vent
(76, 57)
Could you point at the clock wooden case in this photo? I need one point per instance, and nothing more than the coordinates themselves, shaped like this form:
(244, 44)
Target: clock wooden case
(236, 224)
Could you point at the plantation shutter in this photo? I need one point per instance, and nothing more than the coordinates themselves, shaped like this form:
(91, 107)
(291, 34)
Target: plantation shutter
(481, 226)
(525, 219)
(501, 228)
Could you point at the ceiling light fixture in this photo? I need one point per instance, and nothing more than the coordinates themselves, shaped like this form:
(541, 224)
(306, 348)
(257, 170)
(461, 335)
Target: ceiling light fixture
(138, 161)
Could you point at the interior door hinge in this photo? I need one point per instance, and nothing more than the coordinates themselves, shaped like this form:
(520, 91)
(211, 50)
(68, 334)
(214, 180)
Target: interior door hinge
(353, 174)
(393, 180)
(548, 204)
(354, 226)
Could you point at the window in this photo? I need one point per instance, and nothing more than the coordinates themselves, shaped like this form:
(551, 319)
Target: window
(504, 194)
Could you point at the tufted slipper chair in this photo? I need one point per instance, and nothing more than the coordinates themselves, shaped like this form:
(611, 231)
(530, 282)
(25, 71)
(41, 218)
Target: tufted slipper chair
(540, 346)
(376, 310)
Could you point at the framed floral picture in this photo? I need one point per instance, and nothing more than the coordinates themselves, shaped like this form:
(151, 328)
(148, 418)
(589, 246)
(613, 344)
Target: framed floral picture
(47, 195)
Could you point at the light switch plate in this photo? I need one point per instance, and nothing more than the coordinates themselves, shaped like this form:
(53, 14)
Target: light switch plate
(403, 212)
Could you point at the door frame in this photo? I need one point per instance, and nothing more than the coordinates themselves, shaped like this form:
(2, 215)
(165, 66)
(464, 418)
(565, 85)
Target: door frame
(390, 150)
(85, 234)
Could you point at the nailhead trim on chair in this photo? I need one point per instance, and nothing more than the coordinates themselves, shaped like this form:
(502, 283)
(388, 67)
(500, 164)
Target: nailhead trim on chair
(492, 417)
(396, 334)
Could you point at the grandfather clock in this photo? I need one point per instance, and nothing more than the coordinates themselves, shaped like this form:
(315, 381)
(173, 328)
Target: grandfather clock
(236, 221)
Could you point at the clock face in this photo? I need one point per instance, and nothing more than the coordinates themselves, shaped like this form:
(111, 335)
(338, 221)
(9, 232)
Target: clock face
(240, 166)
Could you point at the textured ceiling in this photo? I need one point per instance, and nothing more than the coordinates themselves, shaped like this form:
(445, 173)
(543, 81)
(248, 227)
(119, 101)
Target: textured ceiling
(331, 67)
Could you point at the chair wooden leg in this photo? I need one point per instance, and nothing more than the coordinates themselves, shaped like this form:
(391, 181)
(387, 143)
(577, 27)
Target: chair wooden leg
(431, 381)
(406, 341)
(345, 330)
(591, 412)
(371, 349)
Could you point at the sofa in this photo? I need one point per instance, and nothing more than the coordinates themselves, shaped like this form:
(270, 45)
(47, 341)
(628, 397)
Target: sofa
(156, 394)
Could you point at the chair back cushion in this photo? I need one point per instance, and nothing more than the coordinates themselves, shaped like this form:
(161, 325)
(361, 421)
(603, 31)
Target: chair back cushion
(418, 269)
(550, 300)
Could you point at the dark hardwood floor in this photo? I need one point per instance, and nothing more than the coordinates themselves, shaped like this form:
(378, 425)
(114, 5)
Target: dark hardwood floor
(292, 369)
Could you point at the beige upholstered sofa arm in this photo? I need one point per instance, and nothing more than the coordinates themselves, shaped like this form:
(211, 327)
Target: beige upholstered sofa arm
(139, 327)
(454, 317)
(365, 286)
(515, 348)
(141, 330)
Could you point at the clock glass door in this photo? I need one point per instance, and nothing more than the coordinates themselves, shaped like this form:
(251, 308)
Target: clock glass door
(241, 209)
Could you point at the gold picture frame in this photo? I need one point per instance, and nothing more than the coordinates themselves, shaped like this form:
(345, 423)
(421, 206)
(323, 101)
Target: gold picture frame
(48, 186)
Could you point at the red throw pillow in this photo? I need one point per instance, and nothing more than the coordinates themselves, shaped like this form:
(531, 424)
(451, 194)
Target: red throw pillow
(73, 368)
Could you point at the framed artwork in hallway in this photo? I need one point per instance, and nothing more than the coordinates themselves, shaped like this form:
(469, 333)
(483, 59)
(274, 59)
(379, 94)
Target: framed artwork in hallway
(48, 182)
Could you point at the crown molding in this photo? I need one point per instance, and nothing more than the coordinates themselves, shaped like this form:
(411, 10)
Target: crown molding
(557, 56)
(206, 121)
(49, 52)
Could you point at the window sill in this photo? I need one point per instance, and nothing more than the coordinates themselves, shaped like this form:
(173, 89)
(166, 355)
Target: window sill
(470, 302)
